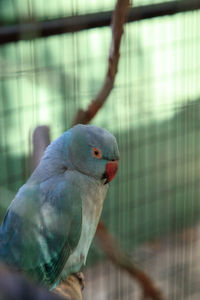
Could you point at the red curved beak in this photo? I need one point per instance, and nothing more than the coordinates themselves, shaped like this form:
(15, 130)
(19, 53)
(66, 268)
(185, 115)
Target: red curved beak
(111, 170)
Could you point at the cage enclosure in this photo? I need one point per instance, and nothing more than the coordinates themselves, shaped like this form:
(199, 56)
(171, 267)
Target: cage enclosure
(152, 206)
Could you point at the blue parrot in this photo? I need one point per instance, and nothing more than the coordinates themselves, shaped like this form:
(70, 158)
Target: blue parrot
(50, 224)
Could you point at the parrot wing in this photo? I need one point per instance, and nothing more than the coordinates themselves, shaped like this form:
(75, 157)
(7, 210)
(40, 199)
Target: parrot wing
(41, 229)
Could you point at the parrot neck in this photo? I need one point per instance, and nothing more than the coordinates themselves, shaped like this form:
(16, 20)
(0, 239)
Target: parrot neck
(55, 160)
(47, 169)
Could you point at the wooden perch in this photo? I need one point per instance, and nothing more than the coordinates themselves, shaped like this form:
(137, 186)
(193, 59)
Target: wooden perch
(69, 289)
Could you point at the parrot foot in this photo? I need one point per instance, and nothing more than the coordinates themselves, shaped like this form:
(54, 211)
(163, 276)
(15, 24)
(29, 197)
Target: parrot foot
(81, 279)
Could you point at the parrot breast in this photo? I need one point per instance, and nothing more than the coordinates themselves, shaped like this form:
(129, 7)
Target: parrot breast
(93, 193)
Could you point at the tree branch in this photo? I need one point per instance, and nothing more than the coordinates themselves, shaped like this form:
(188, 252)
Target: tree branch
(117, 25)
(115, 253)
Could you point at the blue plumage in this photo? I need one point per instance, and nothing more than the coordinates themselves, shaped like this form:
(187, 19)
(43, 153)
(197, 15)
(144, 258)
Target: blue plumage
(50, 224)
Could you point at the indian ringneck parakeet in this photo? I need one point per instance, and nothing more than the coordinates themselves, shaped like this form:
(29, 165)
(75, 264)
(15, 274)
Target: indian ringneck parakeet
(50, 224)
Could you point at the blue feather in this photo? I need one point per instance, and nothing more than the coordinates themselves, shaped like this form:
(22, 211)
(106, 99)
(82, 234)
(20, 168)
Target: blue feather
(51, 222)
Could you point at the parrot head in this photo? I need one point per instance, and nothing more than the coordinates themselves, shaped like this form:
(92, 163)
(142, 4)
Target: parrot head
(93, 151)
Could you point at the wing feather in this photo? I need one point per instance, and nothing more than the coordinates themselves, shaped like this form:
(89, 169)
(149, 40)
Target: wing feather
(41, 229)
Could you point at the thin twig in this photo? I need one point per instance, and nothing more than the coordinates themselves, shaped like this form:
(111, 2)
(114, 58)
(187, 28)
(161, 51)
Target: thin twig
(115, 253)
(117, 25)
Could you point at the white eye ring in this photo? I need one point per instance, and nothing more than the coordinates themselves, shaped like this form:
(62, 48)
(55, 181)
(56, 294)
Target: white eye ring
(96, 152)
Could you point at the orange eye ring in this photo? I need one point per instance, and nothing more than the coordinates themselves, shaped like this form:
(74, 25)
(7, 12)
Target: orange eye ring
(96, 152)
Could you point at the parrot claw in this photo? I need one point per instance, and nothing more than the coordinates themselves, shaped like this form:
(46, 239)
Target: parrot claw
(81, 278)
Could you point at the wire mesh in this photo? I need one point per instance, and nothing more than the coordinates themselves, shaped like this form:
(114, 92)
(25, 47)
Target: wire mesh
(14, 10)
(154, 111)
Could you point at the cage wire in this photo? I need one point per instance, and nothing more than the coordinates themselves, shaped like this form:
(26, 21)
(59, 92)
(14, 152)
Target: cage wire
(154, 112)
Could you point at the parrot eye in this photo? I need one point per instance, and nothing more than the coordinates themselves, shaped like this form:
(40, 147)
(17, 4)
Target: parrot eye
(96, 152)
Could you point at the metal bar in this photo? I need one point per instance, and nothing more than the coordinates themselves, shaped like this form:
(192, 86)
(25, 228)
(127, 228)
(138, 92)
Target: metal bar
(32, 30)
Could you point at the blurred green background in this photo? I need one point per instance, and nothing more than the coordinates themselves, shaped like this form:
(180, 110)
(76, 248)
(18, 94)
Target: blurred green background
(154, 110)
